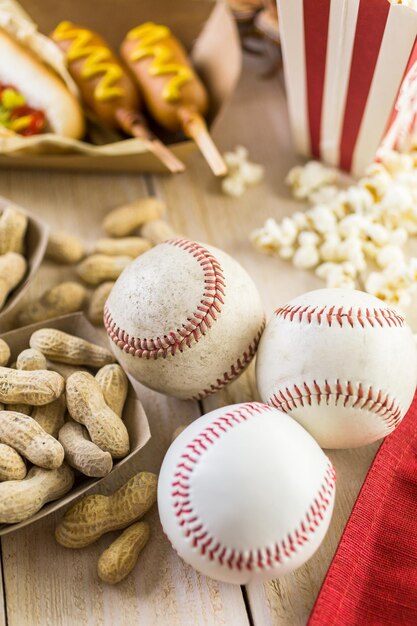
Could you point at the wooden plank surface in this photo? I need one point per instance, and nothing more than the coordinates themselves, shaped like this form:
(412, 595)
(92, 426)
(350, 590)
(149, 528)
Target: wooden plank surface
(46, 585)
(258, 120)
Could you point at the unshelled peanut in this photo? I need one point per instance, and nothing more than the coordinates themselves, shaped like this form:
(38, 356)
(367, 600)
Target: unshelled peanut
(20, 499)
(51, 417)
(119, 559)
(81, 453)
(26, 409)
(158, 231)
(12, 270)
(97, 302)
(92, 516)
(64, 369)
(13, 225)
(125, 246)
(67, 297)
(24, 434)
(114, 384)
(4, 353)
(59, 346)
(98, 268)
(30, 360)
(86, 405)
(12, 466)
(34, 387)
(124, 220)
(65, 248)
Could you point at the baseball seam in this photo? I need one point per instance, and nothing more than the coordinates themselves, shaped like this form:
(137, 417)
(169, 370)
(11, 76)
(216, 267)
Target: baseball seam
(235, 370)
(347, 393)
(194, 528)
(195, 326)
(332, 315)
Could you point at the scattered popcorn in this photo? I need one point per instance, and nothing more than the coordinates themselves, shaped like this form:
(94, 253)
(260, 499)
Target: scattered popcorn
(354, 237)
(358, 199)
(326, 269)
(389, 255)
(322, 218)
(252, 173)
(396, 200)
(286, 252)
(242, 173)
(324, 194)
(308, 238)
(352, 226)
(370, 250)
(300, 220)
(337, 275)
(307, 179)
(329, 249)
(233, 186)
(289, 231)
(377, 181)
(349, 269)
(377, 233)
(234, 160)
(341, 282)
(306, 257)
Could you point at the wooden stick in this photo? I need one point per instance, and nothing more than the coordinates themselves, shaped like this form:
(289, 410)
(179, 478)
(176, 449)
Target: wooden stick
(133, 124)
(195, 127)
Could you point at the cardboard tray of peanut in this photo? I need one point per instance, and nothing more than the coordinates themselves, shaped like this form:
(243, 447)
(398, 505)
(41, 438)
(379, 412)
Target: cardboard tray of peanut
(38, 432)
(23, 241)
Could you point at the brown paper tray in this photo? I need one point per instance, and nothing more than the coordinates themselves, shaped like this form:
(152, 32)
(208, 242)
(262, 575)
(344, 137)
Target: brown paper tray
(133, 416)
(36, 242)
(207, 30)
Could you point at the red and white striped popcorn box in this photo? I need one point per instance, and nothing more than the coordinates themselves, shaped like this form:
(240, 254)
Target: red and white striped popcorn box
(351, 77)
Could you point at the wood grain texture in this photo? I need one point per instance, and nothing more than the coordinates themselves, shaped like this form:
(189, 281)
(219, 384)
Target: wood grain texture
(199, 209)
(46, 585)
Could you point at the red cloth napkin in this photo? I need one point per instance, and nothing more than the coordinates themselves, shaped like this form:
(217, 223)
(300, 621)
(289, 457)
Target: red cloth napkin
(372, 580)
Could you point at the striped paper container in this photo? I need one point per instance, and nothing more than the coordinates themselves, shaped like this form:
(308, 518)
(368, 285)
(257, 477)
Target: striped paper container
(351, 76)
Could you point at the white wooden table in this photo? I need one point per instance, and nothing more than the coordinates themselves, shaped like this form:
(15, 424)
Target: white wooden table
(46, 585)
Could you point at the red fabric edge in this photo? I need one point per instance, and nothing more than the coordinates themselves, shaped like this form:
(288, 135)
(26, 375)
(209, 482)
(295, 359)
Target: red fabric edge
(370, 499)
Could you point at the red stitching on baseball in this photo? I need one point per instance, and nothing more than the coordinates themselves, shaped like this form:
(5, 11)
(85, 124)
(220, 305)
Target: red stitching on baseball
(330, 314)
(257, 558)
(196, 325)
(235, 370)
(368, 399)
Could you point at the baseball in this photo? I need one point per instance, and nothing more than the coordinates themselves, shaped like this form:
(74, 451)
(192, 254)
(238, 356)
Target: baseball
(184, 319)
(342, 363)
(245, 494)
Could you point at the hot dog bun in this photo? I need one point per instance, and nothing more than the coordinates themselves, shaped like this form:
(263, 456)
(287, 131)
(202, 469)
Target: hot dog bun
(41, 87)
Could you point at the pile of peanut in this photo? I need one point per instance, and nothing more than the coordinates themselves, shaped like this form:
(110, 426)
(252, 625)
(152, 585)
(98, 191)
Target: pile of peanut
(61, 406)
(13, 264)
(100, 267)
(92, 516)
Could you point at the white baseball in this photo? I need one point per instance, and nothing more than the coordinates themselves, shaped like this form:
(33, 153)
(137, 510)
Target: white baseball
(245, 493)
(342, 363)
(184, 319)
